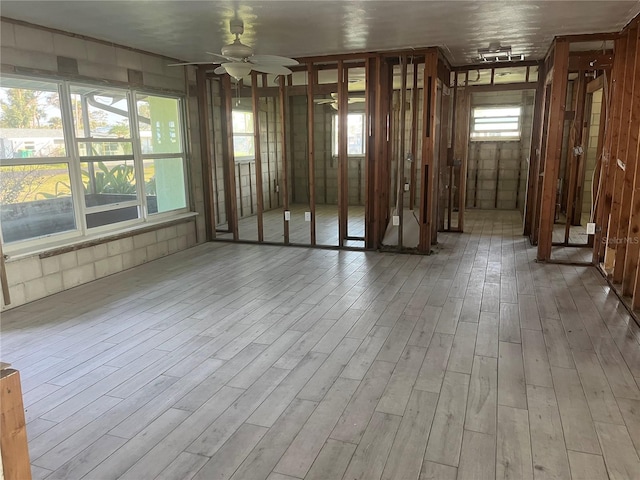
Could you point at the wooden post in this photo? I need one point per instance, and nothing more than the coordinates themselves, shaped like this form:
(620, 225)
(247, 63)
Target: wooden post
(228, 157)
(402, 112)
(343, 157)
(553, 148)
(285, 161)
(428, 149)
(414, 136)
(13, 429)
(255, 101)
(311, 140)
(205, 153)
(369, 156)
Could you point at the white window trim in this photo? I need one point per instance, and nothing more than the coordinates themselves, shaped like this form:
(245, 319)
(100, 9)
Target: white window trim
(82, 233)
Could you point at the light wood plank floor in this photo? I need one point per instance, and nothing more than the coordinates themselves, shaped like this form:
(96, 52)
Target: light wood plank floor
(254, 362)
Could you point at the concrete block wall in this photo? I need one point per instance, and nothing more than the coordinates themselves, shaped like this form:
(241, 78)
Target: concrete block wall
(27, 49)
(502, 165)
(298, 150)
(270, 152)
(591, 149)
(215, 137)
(31, 278)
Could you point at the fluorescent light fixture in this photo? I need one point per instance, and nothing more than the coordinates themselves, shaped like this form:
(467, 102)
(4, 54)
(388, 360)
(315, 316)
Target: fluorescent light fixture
(498, 53)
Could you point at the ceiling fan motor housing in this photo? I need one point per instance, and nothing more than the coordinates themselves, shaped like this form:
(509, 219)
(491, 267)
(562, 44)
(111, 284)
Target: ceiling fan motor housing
(237, 50)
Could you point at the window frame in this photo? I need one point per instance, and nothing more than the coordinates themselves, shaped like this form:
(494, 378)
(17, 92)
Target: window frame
(73, 160)
(252, 136)
(496, 137)
(335, 141)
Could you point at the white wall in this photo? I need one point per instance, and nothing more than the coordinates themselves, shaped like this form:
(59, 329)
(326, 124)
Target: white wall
(32, 50)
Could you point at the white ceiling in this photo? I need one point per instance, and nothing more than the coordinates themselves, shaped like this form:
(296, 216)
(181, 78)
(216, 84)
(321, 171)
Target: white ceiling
(186, 29)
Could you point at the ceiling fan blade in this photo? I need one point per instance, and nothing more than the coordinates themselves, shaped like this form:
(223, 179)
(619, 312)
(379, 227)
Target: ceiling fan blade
(270, 68)
(273, 60)
(229, 59)
(220, 70)
(324, 101)
(357, 100)
(190, 63)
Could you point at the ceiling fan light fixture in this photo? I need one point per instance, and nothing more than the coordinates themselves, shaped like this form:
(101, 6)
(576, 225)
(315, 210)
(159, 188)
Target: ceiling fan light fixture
(237, 69)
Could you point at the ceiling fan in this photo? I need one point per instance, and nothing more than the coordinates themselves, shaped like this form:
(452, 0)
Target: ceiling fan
(333, 101)
(238, 60)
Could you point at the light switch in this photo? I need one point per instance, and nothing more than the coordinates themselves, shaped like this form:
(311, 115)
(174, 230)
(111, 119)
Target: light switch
(591, 228)
(287, 215)
(307, 216)
(395, 220)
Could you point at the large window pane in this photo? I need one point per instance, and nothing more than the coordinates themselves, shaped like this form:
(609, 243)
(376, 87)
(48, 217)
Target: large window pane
(164, 184)
(35, 201)
(30, 119)
(159, 124)
(109, 182)
(104, 149)
(100, 113)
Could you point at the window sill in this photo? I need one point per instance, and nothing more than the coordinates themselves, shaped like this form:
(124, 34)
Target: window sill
(90, 241)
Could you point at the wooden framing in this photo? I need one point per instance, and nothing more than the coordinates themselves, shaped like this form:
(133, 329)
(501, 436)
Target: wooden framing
(343, 158)
(311, 141)
(427, 209)
(553, 148)
(575, 163)
(401, 152)
(461, 147)
(227, 157)
(205, 154)
(285, 162)
(631, 258)
(255, 102)
(534, 158)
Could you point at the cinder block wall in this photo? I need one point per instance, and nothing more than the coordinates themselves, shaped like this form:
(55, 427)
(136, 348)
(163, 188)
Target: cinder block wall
(591, 150)
(27, 49)
(501, 165)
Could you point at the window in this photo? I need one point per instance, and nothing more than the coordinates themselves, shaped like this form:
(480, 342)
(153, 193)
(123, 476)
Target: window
(355, 134)
(162, 153)
(243, 139)
(496, 123)
(115, 160)
(35, 178)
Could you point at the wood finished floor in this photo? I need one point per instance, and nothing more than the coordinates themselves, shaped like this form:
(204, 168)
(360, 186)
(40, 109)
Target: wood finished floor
(255, 362)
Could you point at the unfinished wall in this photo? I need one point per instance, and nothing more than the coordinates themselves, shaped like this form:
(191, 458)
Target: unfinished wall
(617, 239)
(591, 151)
(500, 166)
(28, 50)
(298, 150)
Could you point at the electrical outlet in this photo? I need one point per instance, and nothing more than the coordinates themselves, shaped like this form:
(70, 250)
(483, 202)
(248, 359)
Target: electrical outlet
(395, 221)
(287, 215)
(277, 188)
(591, 228)
(406, 187)
(307, 216)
